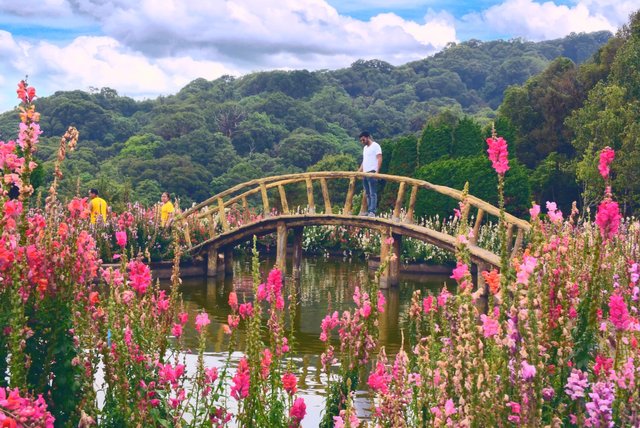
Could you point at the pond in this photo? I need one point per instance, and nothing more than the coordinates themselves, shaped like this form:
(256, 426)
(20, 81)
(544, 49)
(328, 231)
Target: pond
(326, 284)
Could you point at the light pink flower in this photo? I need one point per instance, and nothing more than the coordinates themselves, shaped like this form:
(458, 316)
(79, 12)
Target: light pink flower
(202, 320)
(555, 215)
(449, 408)
(233, 300)
(490, 326)
(534, 211)
(527, 371)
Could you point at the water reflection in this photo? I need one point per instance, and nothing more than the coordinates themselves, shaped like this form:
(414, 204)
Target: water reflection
(325, 285)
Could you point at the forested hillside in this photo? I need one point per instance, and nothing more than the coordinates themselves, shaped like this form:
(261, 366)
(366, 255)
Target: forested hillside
(214, 134)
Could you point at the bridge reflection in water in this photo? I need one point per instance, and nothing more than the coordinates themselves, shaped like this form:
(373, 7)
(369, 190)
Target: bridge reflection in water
(320, 277)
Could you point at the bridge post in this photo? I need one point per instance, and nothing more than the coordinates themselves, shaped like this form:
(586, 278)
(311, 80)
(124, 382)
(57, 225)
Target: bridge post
(390, 246)
(363, 205)
(394, 264)
(228, 261)
(212, 261)
(297, 251)
(281, 247)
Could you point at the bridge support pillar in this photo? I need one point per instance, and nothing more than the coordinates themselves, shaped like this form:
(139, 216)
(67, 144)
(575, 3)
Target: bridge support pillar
(281, 247)
(297, 251)
(363, 205)
(212, 261)
(228, 262)
(390, 247)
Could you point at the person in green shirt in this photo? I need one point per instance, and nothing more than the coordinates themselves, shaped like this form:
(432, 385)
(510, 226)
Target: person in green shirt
(98, 206)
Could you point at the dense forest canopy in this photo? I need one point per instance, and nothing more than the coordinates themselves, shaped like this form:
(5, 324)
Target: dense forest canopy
(430, 115)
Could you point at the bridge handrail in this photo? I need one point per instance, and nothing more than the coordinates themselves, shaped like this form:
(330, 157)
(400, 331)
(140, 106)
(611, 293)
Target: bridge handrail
(275, 181)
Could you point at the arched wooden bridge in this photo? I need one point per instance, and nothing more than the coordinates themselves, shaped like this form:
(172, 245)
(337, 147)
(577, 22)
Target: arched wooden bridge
(228, 217)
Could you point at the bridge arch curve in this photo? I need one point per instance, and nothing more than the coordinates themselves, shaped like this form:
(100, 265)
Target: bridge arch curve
(228, 217)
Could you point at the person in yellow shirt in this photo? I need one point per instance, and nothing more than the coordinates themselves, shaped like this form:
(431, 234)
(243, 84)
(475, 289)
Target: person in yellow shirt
(98, 206)
(166, 211)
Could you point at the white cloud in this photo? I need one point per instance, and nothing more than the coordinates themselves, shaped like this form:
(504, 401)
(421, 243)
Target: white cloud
(534, 20)
(149, 47)
(98, 62)
(251, 32)
(42, 8)
(616, 11)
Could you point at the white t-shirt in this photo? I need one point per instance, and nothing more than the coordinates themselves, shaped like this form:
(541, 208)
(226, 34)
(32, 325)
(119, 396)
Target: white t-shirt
(369, 157)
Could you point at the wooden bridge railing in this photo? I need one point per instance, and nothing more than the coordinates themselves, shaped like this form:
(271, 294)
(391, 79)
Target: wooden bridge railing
(214, 210)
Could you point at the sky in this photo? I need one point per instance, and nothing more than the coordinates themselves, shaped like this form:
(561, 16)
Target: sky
(147, 48)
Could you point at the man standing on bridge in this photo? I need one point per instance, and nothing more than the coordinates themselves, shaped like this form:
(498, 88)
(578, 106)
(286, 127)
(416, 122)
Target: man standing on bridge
(371, 162)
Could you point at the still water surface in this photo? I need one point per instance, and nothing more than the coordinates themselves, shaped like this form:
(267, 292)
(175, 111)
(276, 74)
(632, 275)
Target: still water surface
(326, 284)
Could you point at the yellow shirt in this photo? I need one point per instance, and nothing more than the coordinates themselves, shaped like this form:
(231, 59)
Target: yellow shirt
(98, 206)
(167, 208)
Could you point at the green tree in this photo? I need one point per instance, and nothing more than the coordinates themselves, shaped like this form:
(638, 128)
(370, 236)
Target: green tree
(403, 162)
(257, 134)
(467, 138)
(482, 180)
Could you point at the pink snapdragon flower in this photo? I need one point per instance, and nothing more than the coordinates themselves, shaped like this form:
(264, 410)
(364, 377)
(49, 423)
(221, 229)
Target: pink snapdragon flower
(576, 384)
(139, 276)
(490, 326)
(298, 411)
(450, 408)
(555, 215)
(608, 218)
(245, 310)
(202, 320)
(290, 383)
(534, 211)
(527, 371)
(379, 379)
(606, 157)
(460, 271)
(618, 313)
(121, 238)
(241, 380)
(525, 269)
(428, 304)
(498, 154)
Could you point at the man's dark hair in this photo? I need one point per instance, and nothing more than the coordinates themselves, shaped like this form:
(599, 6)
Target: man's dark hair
(366, 134)
(94, 191)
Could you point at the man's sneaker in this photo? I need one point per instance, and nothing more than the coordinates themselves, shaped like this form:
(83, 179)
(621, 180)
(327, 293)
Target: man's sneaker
(371, 214)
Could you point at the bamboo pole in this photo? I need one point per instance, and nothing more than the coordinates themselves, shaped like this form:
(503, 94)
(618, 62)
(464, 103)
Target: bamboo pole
(412, 204)
(246, 215)
(212, 225)
(399, 200)
(283, 200)
(222, 215)
(325, 196)
(348, 203)
(476, 226)
(265, 200)
(281, 246)
(518, 244)
(310, 203)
